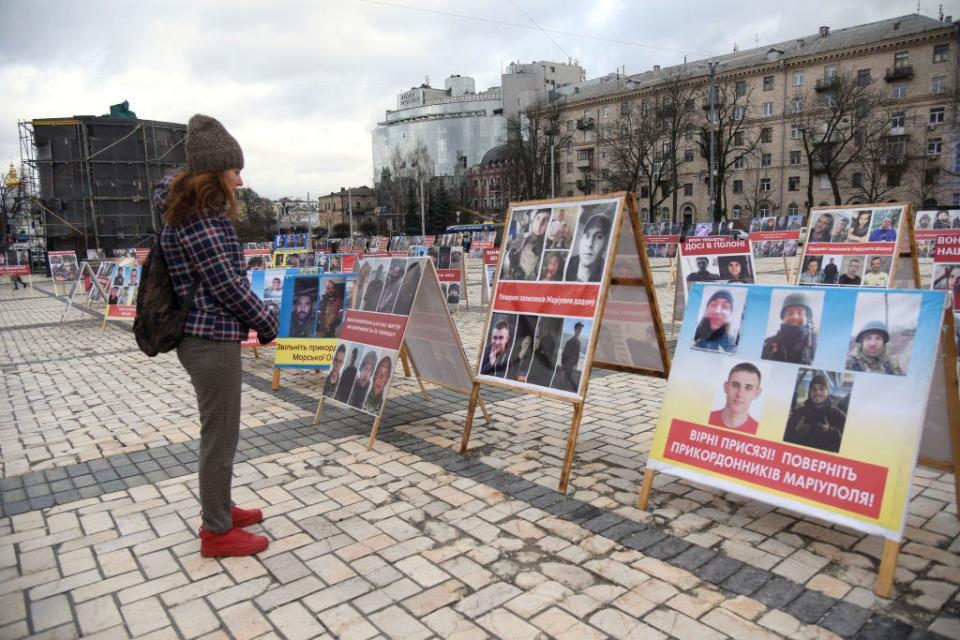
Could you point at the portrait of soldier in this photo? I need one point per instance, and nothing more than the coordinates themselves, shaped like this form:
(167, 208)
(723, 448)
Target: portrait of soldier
(830, 272)
(713, 331)
(822, 230)
(870, 353)
(546, 344)
(942, 221)
(795, 341)
(496, 356)
(565, 378)
(842, 229)
(329, 314)
(524, 251)
(347, 377)
(453, 293)
(740, 389)
(374, 288)
(702, 274)
(875, 275)
(362, 382)
(408, 288)
(303, 318)
(591, 245)
(817, 423)
(381, 377)
(735, 269)
(392, 286)
(333, 378)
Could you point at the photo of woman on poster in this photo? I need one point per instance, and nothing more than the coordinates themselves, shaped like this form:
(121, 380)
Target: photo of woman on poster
(860, 228)
(381, 379)
(589, 252)
(522, 355)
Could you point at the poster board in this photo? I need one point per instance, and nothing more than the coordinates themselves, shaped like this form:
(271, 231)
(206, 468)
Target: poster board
(257, 259)
(122, 291)
(932, 224)
(777, 237)
(77, 288)
(481, 241)
(491, 257)
(292, 241)
(856, 246)
(832, 432)
(266, 284)
(311, 315)
(448, 261)
(710, 258)
(389, 295)
(556, 266)
(661, 239)
(15, 263)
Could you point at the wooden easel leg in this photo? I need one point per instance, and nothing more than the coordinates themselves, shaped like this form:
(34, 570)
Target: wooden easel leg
(404, 361)
(483, 409)
(256, 351)
(103, 325)
(275, 384)
(423, 389)
(888, 567)
(645, 489)
(316, 416)
(571, 447)
(953, 400)
(468, 424)
(373, 431)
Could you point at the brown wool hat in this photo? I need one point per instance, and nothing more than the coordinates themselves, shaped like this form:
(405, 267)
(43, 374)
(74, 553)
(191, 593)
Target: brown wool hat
(210, 147)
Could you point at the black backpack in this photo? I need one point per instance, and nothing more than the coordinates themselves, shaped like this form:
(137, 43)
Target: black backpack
(161, 317)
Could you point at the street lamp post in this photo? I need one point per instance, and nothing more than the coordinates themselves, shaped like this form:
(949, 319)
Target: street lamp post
(711, 207)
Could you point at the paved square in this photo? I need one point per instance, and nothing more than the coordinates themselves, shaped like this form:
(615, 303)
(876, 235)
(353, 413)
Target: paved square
(99, 511)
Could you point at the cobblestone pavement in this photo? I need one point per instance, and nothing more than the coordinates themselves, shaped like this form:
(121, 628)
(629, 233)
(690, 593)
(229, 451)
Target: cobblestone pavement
(98, 494)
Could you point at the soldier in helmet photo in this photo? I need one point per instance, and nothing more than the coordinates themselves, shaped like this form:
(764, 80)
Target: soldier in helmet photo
(815, 419)
(870, 353)
(796, 339)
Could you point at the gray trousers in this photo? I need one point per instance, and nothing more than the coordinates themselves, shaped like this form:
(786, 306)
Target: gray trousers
(215, 371)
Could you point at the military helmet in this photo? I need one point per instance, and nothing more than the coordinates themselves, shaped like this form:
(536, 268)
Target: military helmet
(797, 299)
(875, 325)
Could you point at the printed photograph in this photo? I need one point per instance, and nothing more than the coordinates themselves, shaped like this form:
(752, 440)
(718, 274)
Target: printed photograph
(841, 227)
(884, 224)
(790, 248)
(554, 263)
(453, 294)
(456, 257)
(762, 249)
(574, 341)
(768, 224)
(560, 228)
(273, 284)
(794, 223)
(735, 268)
(793, 326)
(589, 252)
(830, 269)
(810, 272)
(546, 347)
(360, 284)
(822, 228)
(391, 287)
(526, 238)
(884, 326)
(375, 283)
(363, 379)
(443, 258)
(343, 371)
(946, 276)
(330, 311)
(702, 268)
(408, 287)
(851, 271)
(703, 229)
(303, 315)
(521, 355)
(721, 314)
(738, 402)
(818, 410)
(495, 356)
(859, 225)
(380, 383)
(877, 271)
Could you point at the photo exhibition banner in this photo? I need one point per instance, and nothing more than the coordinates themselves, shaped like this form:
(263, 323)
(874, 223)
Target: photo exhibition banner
(14, 263)
(934, 224)
(661, 239)
(715, 259)
(546, 299)
(312, 311)
(124, 283)
(369, 341)
(853, 246)
(775, 236)
(807, 398)
(491, 257)
(63, 266)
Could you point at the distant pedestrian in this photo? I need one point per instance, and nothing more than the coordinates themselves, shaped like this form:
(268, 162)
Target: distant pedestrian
(200, 241)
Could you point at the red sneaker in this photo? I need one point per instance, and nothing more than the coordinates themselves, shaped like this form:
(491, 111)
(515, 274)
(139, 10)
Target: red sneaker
(246, 517)
(235, 542)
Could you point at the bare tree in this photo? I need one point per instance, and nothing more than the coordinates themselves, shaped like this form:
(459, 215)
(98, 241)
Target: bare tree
(870, 177)
(756, 184)
(532, 138)
(836, 119)
(677, 105)
(923, 169)
(736, 141)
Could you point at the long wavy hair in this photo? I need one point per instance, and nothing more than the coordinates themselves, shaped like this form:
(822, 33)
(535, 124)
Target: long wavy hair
(203, 193)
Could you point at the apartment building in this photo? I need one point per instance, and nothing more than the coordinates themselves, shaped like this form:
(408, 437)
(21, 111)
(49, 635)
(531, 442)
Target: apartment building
(910, 61)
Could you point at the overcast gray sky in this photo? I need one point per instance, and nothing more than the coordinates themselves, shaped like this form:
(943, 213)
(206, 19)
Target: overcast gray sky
(302, 84)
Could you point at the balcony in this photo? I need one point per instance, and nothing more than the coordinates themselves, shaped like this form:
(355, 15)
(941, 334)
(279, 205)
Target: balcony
(585, 165)
(893, 160)
(585, 185)
(826, 84)
(903, 72)
(584, 124)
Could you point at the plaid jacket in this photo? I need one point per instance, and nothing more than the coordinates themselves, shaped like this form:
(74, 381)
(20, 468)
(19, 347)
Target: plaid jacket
(207, 245)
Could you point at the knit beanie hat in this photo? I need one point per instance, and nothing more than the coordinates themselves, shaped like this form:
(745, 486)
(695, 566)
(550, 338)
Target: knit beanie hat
(722, 294)
(210, 147)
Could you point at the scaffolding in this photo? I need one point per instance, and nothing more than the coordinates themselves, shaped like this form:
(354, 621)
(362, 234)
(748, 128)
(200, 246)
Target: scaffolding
(93, 177)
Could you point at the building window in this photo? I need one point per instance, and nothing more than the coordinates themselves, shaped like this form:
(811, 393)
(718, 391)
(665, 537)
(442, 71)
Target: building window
(941, 52)
(588, 135)
(624, 108)
(571, 125)
(764, 209)
(934, 146)
(688, 155)
(857, 179)
(644, 214)
(738, 138)
(794, 158)
(605, 111)
(956, 199)
(797, 104)
(587, 115)
(569, 167)
(936, 115)
(737, 212)
(739, 113)
(738, 186)
(830, 72)
(795, 132)
(938, 84)
(901, 59)
(893, 179)
(766, 134)
(768, 83)
(863, 77)
(897, 120)
(824, 182)
(740, 88)
(766, 159)
(764, 184)
(767, 109)
(793, 183)
(644, 191)
(900, 91)
(793, 209)
(688, 189)
(798, 78)
(738, 163)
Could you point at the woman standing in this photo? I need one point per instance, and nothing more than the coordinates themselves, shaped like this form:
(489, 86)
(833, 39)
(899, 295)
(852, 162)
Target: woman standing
(199, 241)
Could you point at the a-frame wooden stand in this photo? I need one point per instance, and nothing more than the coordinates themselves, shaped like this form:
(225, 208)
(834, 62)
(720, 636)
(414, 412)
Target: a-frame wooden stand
(77, 287)
(628, 269)
(942, 451)
(429, 312)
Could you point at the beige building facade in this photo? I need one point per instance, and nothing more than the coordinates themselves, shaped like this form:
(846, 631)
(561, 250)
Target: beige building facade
(910, 62)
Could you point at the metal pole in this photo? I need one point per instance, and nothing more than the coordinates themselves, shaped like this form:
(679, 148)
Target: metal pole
(350, 208)
(712, 203)
(423, 215)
